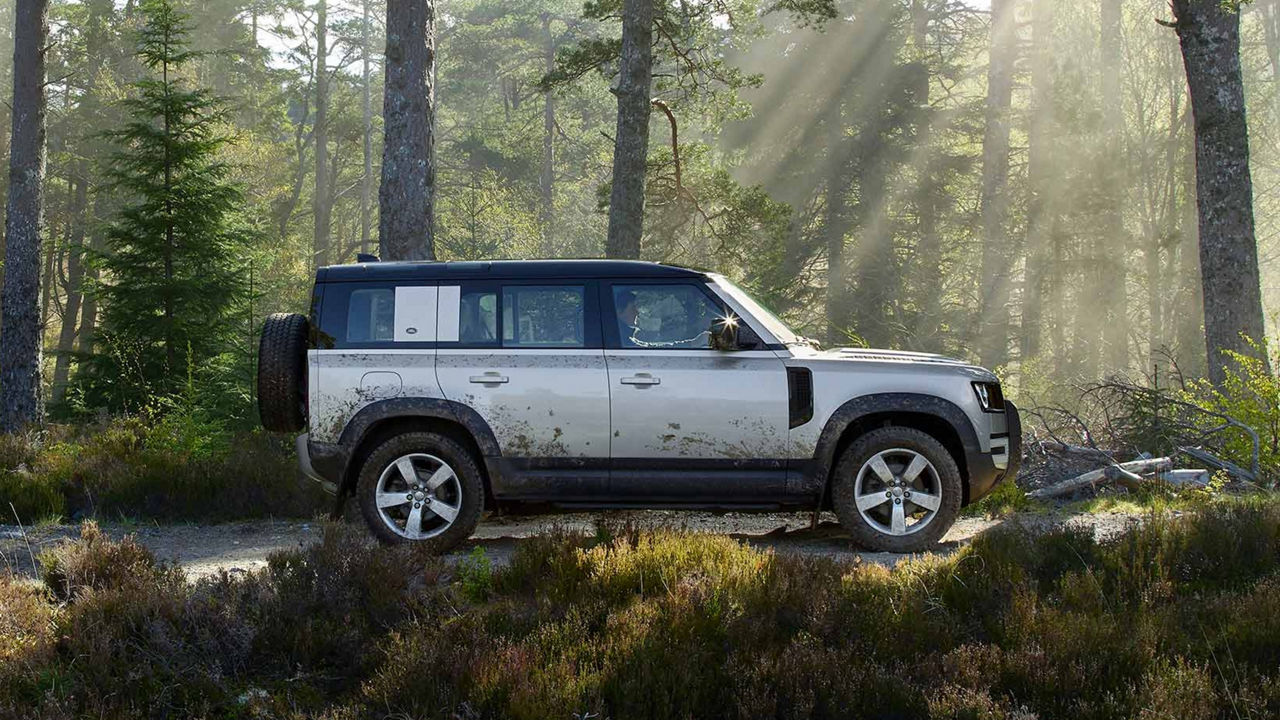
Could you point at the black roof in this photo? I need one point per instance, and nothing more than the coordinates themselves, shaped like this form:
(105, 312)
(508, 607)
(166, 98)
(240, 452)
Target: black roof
(502, 269)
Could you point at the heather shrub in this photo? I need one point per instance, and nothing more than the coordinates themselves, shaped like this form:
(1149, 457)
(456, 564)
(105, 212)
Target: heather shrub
(95, 562)
(1164, 621)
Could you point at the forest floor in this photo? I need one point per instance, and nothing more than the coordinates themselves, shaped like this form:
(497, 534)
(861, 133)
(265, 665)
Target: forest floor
(244, 546)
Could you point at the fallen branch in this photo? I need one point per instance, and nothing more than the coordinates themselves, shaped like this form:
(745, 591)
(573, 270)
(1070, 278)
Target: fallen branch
(1128, 471)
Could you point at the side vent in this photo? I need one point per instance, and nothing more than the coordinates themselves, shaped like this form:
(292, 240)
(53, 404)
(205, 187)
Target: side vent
(800, 388)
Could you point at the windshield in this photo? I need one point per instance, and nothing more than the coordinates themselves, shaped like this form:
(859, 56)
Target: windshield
(770, 321)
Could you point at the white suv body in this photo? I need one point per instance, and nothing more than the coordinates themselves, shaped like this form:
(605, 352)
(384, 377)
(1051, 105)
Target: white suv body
(607, 384)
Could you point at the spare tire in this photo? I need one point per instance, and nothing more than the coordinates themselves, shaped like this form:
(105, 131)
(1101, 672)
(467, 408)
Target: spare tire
(282, 372)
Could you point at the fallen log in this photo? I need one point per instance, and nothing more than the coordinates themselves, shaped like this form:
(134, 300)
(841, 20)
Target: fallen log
(1128, 470)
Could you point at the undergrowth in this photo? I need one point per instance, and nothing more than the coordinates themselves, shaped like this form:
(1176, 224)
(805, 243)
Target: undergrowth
(1177, 618)
(170, 465)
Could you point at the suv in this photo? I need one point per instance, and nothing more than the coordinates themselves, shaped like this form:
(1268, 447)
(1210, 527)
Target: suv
(430, 390)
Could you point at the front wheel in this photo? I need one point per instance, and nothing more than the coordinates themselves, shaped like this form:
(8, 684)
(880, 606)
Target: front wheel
(896, 489)
(421, 487)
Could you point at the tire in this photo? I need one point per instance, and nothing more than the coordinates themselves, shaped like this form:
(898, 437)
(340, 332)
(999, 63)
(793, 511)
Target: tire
(382, 474)
(282, 373)
(938, 479)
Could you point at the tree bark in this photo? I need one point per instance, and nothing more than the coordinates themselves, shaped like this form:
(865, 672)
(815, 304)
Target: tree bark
(1210, 39)
(994, 320)
(321, 205)
(406, 196)
(366, 180)
(21, 399)
(631, 141)
(1189, 332)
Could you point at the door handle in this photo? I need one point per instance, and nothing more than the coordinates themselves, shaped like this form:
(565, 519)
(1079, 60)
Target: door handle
(641, 379)
(489, 378)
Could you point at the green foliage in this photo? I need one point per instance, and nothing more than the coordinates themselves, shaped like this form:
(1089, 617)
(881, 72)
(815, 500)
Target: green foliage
(475, 576)
(174, 258)
(174, 461)
(1007, 498)
(1177, 617)
(1250, 393)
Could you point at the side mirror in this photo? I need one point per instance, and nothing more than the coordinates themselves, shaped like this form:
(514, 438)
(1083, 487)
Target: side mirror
(728, 334)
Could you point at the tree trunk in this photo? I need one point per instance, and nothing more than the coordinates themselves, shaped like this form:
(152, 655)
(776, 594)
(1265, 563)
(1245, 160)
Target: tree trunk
(366, 180)
(994, 325)
(406, 195)
(1112, 247)
(1210, 38)
(321, 201)
(835, 226)
(928, 261)
(631, 141)
(75, 281)
(89, 306)
(1041, 216)
(1190, 328)
(20, 342)
(546, 180)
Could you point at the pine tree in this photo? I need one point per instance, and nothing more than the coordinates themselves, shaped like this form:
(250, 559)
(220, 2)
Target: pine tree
(173, 256)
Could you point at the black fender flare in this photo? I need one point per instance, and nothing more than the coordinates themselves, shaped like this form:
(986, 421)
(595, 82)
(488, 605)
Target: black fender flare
(333, 460)
(824, 456)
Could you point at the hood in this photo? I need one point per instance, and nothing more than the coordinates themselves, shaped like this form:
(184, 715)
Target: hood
(877, 355)
(901, 357)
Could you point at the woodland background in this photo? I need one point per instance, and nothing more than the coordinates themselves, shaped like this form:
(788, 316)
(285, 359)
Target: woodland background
(847, 162)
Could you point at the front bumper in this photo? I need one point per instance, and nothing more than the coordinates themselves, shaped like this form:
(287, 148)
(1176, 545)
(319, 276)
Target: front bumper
(986, 470)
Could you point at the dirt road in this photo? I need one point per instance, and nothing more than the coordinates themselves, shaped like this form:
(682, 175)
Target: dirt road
(207, 549)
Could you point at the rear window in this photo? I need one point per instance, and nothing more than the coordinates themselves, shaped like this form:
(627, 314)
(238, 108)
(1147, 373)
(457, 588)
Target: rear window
(371, 315)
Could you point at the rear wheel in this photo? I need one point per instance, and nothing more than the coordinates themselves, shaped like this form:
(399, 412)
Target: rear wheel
(421, 487)
(896, 489)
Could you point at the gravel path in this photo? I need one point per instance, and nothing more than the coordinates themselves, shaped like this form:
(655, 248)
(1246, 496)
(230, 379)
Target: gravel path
(206, 549)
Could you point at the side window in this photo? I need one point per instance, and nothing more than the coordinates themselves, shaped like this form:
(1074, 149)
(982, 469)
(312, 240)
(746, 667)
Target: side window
(478, 317)
(371, 314)
(664, 316)
(549, 316)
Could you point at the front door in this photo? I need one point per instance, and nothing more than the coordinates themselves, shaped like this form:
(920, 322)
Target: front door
(690, 424)
(528, 358)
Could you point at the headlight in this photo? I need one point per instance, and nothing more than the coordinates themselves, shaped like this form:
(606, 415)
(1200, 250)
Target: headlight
(989, 396)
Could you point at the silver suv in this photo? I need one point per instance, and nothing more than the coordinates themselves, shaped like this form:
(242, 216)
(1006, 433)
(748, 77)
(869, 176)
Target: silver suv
(432, 390)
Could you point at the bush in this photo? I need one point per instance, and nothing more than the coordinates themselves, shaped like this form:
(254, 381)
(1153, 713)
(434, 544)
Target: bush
(170, 465)
(1250, 393)
(1175, 618)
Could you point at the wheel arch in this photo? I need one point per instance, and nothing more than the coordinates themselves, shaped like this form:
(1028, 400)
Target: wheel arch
(935, 416)
(380, 420)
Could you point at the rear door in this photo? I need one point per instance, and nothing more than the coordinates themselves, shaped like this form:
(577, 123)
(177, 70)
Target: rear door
(690, 424)
(374, 341)
(528, 358)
